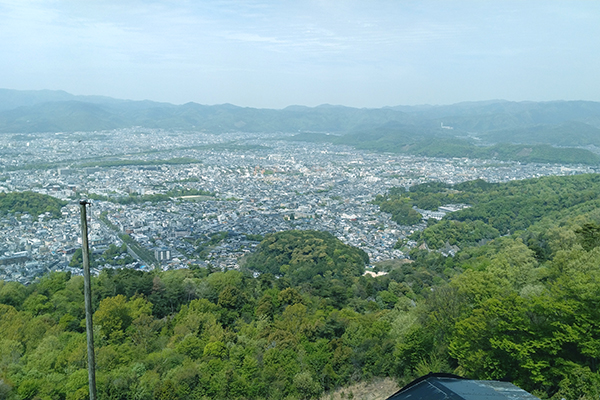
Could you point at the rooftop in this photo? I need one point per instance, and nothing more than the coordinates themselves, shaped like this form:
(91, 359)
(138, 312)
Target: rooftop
(439, 386)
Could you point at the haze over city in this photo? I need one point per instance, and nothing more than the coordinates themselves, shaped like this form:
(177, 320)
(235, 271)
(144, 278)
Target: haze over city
(273, 54)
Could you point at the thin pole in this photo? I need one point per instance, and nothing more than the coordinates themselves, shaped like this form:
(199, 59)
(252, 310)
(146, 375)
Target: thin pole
(87, 292)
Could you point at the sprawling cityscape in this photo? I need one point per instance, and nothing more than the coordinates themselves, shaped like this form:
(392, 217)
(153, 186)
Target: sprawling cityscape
(249, 185)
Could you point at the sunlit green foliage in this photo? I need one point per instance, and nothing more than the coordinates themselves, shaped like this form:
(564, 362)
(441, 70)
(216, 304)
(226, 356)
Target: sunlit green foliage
(509, 206)
(458, 233)
(523, 308)
(401, 210)
(303, 256)
(31, 203)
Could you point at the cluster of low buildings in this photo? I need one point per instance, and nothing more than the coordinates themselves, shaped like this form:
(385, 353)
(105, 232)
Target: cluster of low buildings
(259, 184)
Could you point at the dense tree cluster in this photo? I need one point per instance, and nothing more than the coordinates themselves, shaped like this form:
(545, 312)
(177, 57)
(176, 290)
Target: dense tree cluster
(31, 203)
(195, 333)
(401, 210)
(522, 306)
(516, 313)
(448, 232)
(305, 256)
(507, 207)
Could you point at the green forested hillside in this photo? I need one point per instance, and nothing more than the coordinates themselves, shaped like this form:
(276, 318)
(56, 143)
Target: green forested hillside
(522, 306)
(302, 256)
(31, 203)
(195, 334)
(299, 318)
(504, 206)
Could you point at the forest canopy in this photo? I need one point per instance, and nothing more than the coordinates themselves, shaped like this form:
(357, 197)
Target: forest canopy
(303, 255)
(507, 206)
(31, 203)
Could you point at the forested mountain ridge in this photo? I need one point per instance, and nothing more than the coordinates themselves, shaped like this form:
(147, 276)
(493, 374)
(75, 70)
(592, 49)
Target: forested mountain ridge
(299, 319)
(46, 111)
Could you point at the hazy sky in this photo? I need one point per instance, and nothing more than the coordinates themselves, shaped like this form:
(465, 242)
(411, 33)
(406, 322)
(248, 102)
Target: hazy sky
(366, 53)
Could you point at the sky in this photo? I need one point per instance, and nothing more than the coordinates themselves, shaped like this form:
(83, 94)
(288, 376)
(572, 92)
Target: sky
(272, 54)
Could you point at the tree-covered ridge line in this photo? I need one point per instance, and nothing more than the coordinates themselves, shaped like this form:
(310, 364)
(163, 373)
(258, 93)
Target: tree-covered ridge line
(522, 308)
(31, 203)
(519, 307)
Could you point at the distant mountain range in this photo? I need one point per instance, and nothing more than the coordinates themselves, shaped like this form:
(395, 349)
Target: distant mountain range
(411, 129)
(46, 111)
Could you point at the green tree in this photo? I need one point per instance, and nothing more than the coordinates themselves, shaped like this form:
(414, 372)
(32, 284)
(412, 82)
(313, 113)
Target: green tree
(113, 317)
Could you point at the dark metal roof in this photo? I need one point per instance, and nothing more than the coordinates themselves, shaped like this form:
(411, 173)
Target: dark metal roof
(453, 387)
